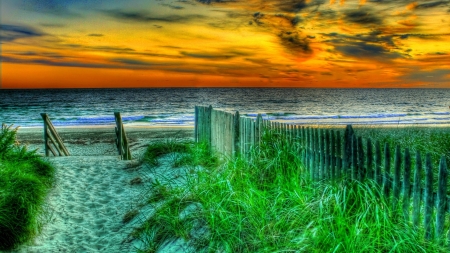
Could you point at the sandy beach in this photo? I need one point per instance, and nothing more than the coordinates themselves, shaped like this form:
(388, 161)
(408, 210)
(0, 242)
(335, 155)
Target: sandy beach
(94, 189)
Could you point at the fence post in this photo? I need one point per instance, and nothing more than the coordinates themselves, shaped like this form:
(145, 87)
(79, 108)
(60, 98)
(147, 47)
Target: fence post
(122, 141)
(50, 134)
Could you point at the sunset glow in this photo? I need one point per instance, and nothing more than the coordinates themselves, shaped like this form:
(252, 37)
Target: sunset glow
(221, 43)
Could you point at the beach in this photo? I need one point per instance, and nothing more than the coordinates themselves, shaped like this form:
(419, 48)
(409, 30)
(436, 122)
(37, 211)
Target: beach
(94, 189)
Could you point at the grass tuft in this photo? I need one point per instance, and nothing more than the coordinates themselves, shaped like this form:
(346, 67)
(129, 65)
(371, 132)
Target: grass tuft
(265, 202)
(24, 183)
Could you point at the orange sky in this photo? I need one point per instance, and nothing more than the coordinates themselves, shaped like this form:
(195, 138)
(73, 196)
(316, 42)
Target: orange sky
(241, 43)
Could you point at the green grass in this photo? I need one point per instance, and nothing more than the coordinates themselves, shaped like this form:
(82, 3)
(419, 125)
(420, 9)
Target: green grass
(265, 203)
(433, 140)
(25, 180)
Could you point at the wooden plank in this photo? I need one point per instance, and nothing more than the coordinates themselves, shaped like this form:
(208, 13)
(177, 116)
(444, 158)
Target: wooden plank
(354, 158)
(347, 156)
(196, 124)
(378, 176)
(407, 185)
(428, 196)
(316, 155)
(322, 154)
(441, 198)
(370, 171)
(333, 154)
(52, 141)
(397, 168)
(417, 190)
(387, 171)
(361, 168)
(338, 155)
(119, 132)
(46, 144)
(50, 130)
(327, 170)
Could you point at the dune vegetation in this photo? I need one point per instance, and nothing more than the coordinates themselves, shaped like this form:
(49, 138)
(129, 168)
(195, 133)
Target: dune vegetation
(25, 180)
(266, 202)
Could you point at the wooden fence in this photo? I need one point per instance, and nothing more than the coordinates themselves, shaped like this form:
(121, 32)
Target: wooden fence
(121, 141)
(51, 137)
(411, 186)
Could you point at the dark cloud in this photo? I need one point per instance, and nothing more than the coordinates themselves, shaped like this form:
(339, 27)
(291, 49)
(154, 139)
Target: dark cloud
(432, 4)
(294, 42)
(372, 37)
(132, 62)
(13, 32)
(52, 25)
(175, 7)
(147, 17)
(54, 7)
(215, 56)
(421, 35)
(96, 35)
(215, 1)
(363, 16)
(438, 75)
(366, 50)
(297, 5)
(56, 63)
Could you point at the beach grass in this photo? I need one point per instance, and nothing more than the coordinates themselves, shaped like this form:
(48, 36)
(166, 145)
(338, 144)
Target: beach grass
(266, 203)
(25, 179)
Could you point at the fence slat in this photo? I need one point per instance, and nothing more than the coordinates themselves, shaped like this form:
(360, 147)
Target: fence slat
(428, 196)
(407, 184)
(441, 198)
(397, 168)
(370, 171)
(387, 171)
(417, 189)
(361, 168)
(378, 176)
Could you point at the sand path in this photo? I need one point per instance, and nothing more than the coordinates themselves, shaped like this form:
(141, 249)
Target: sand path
(91, 195)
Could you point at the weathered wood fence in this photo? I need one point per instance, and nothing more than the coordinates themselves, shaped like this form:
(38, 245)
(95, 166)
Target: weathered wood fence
(51, 137)
(121, 141)
(411, 186)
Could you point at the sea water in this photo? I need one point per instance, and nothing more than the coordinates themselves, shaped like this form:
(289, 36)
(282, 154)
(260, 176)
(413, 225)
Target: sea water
(175, 107)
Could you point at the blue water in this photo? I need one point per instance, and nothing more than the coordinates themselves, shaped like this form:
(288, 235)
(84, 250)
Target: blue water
(164, 107)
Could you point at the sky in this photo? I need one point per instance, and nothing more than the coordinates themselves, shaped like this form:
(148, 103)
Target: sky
(224, 43)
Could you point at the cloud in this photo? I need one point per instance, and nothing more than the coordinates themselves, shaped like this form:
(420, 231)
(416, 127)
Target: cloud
(432, 4)
(147, 17)
(215, 56)
(297, 5)
(175, 7)
(367, 51)
(294, 42)
(372, 37)
(363, 16)
(10, 33)
(56, 63)
(96, 35)
(54, 7)
(438, 75)
(133, 62)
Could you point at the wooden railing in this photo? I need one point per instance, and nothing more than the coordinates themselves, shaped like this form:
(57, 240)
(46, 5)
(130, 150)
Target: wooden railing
(327, 155)
(51, 137)
(121, 141)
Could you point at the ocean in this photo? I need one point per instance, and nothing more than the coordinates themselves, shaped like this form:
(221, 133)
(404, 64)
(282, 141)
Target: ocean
(175, 107)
